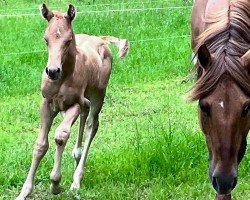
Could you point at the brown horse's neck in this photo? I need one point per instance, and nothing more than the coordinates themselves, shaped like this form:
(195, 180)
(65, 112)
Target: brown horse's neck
(70, 60)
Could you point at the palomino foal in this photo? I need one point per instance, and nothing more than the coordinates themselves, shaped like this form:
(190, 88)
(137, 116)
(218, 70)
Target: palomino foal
(74, 82)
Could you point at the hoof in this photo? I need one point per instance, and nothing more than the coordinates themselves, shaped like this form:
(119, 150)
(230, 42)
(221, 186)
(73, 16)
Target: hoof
(56, 189)
(20, 198)
(26, 191)
(74, 186)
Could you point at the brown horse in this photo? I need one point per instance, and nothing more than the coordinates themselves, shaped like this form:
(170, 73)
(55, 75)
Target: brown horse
(221, 41)
(74, 82)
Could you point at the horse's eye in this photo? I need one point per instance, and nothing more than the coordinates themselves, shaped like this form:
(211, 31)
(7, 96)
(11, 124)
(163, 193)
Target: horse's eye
(246, 109)
(205, 108)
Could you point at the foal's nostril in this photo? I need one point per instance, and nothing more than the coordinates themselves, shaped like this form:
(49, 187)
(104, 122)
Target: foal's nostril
(53, 74)
(47, 71)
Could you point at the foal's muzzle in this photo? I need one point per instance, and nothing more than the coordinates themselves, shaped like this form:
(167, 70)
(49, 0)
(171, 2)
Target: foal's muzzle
(53, 74)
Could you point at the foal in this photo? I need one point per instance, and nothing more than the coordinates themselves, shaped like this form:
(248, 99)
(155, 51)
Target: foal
(74, 83)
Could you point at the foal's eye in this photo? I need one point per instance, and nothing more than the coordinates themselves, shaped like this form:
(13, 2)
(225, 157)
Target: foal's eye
(68, 42)
(205, 108)
(246, 109)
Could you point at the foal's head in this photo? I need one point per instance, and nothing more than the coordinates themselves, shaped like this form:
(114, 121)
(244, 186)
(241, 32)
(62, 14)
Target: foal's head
(59, 38)
(224, 115)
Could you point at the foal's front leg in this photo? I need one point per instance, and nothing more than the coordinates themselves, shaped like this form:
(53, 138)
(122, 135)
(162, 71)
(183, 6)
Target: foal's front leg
(61, 137)
(40, 148)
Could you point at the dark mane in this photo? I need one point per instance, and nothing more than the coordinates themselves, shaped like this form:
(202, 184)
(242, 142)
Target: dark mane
(226, 47)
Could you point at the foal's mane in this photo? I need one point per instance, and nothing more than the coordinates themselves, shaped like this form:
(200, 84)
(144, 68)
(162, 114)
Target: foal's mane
(228, 38)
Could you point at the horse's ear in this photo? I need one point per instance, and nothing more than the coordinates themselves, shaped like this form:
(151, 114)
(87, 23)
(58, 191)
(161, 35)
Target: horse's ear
(71, 12)
(46, 13)
(245, 60)
(204, 56)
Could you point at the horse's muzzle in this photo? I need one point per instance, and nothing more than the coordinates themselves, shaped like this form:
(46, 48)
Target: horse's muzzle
(223, 197)
(53, 74)
(224, 183)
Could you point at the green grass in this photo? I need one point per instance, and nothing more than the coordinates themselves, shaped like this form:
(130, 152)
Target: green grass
(149, 145)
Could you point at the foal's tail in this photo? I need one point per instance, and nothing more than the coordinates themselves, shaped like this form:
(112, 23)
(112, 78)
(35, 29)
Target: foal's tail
(122, 45)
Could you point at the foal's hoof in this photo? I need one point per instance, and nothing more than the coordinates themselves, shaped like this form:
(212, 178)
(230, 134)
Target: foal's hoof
(55, 189)
(26, 191)
(223, 197)
(75, 186)
(20, 198)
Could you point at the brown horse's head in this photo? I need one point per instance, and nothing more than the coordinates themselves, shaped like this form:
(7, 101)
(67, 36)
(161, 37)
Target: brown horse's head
(224, 115)
(59, 38)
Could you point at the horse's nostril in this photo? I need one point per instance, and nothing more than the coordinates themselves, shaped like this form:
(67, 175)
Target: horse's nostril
(47, 71)
(234, 183)
(214, 182)
(58, 70)
(224, 184)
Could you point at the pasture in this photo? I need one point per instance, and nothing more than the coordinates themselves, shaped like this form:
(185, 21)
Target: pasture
(149, 144)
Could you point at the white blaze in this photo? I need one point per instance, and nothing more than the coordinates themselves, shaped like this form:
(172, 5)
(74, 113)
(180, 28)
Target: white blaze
(221, 104)
(58, 32)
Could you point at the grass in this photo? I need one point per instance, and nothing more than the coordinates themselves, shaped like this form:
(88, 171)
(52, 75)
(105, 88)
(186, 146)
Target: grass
(149, 145)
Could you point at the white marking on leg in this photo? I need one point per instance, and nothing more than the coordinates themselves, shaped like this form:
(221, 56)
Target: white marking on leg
(77, 152)
(92, 126)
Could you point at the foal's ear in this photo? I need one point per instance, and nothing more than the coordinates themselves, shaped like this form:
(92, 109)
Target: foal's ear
(71, 12)
(204, 56)
(46, 13)
(245, 60)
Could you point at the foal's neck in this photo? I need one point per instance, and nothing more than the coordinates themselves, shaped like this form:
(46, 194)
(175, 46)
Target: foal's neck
(70, 60)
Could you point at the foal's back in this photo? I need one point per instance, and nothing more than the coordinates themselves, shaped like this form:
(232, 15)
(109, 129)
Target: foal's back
(98, 60)
(84, 41)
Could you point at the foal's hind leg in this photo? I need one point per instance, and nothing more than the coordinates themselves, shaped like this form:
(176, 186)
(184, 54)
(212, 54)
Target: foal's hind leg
(77, 151)
(92, 127)
(61, 137)
(40, 148)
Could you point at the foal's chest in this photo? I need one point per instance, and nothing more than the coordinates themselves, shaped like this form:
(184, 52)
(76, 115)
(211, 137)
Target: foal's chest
(66, 97)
